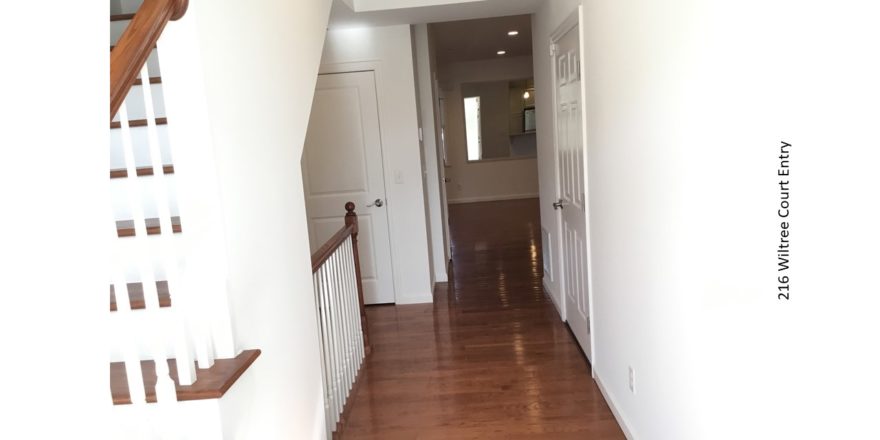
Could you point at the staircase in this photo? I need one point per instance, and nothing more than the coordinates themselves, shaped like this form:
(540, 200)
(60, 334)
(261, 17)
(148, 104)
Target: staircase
(171, 332)
(175, 361)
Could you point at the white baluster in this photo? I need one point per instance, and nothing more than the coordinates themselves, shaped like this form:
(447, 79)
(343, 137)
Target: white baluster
(134, 374)
(352, 314)
(338, 261)
(355, 305)
(328, 336)
(165, 390)
(328, 345)
(340, 330)
(186, 374)
(323, 354)
(349, 316)
(346, 325)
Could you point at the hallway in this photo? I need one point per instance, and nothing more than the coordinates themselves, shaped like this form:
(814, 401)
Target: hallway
(490, 358)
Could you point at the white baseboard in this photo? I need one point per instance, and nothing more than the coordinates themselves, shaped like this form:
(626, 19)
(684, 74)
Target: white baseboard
(611, 404)
(492, 198)
(553, 299)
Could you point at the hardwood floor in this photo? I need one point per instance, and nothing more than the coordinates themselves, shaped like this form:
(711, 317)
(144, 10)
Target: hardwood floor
(490, 359)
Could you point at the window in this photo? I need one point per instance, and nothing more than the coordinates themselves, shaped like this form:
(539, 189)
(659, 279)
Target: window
(472, 127)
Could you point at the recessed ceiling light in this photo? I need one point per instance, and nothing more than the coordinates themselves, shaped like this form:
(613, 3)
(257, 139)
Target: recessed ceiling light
(501, 52)
(513, 33)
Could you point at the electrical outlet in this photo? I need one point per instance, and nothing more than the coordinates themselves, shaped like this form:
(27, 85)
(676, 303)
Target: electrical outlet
(632, 380)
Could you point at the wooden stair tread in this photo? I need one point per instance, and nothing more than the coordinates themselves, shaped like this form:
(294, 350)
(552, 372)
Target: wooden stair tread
(141, 171)
(125, 228)
(138, 123)
(121, 17)
(136, 296)
(211, 383)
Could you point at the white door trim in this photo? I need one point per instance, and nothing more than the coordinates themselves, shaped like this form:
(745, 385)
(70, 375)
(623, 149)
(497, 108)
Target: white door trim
(575, 18)
(387, 178)
(586, 183)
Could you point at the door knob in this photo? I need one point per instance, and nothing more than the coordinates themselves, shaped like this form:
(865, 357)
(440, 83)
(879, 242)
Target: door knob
(559, 204)
(377, 203)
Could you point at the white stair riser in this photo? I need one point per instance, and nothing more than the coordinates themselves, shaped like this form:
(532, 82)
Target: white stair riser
(141, 147)
(134, 102)
(122, 209)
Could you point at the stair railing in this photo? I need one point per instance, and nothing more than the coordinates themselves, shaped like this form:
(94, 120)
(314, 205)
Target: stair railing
(342, 321)
(136, 43)
(128, 59)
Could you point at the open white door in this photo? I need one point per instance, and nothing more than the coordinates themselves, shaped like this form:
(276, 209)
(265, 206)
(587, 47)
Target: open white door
(572, 205)
(342, 161)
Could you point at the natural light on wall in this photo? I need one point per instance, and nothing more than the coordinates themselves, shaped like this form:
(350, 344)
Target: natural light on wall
(472, 126)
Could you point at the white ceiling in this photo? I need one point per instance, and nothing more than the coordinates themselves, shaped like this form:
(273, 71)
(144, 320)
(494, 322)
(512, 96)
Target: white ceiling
(472, 40)
(342, 16)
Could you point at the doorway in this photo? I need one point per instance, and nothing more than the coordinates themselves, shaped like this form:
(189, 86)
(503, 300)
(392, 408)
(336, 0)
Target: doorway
(342, 162)
(484, 71)
(571, 205)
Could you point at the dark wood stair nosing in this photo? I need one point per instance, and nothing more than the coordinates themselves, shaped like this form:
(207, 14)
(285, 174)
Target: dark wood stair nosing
(119, 173)
(138, 123)
(136, 296)
(211, 383)
(125, 228)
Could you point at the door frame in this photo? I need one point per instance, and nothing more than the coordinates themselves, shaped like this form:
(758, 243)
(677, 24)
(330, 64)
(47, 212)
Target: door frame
(439, 105)
(376, 68)
(574, 19)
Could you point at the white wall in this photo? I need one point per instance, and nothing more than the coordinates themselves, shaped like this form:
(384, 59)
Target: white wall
(388, 50)
(56, 225)
(687, 103)
(485, 180)
(430, 157)
(260, 67)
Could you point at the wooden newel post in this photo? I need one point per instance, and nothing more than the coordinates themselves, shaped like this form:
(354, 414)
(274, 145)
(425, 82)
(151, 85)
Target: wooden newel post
(351, 219)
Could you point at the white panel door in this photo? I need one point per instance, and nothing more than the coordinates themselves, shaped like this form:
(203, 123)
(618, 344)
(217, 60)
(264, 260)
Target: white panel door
(572, 201)
(342, 162)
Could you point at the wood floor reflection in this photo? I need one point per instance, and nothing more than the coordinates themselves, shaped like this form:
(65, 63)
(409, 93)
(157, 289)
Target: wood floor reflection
(490, 359)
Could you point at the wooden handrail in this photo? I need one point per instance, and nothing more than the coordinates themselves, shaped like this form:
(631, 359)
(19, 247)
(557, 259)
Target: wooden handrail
(327, 249)
(136, 43)
(320, 256)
